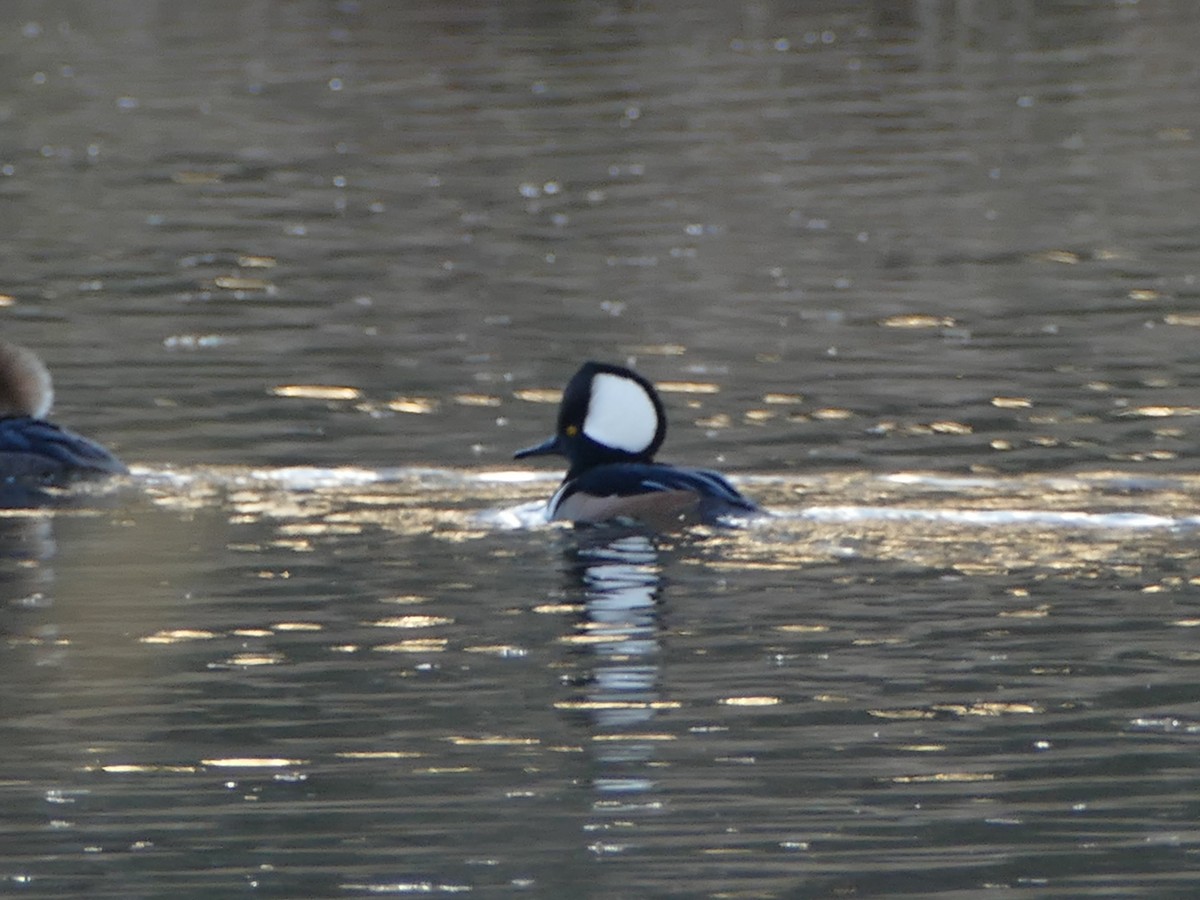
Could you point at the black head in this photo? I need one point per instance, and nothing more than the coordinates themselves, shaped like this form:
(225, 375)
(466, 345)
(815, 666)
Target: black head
(608, 414)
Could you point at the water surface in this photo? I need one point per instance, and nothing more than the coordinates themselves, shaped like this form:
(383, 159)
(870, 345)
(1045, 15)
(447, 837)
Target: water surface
(920, 276)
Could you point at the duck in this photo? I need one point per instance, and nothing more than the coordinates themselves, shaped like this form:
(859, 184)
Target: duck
(611, 423)
(33, 450)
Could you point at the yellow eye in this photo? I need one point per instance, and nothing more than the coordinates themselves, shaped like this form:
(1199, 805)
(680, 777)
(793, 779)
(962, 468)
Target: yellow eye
(571, 430)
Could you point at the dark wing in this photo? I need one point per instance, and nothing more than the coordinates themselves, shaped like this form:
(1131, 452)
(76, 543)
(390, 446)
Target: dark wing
(714, 490)
(33, 448)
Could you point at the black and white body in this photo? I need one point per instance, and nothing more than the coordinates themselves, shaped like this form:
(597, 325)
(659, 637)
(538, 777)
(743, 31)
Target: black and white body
(610, 424)
(32, 449)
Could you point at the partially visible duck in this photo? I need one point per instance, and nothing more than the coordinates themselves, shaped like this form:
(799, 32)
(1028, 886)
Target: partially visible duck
(32, 449)
(610, 424)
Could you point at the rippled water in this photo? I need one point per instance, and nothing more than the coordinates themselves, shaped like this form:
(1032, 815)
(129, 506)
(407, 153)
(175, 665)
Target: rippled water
(920, 276)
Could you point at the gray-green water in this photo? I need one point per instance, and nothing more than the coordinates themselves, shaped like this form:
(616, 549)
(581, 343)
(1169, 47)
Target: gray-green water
(920, 276)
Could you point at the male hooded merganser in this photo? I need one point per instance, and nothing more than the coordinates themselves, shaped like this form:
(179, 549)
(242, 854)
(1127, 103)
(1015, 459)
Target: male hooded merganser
(32, 449)
(610, 424)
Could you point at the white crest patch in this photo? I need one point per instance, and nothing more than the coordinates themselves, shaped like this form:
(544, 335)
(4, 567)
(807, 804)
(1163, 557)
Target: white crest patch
(620, 414)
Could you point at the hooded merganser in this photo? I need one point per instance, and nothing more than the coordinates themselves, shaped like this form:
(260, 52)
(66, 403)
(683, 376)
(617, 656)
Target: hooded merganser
(32, 449)
(610, 424)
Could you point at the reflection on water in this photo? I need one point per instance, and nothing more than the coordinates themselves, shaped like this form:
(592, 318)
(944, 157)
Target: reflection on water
(619, 580)
(357, 682)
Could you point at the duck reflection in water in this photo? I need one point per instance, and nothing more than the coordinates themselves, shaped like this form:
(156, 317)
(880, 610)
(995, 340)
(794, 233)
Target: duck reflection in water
(619, 574)
(34, 452)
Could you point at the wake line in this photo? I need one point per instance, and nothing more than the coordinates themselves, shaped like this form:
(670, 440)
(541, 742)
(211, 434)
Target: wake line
(997, 517)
